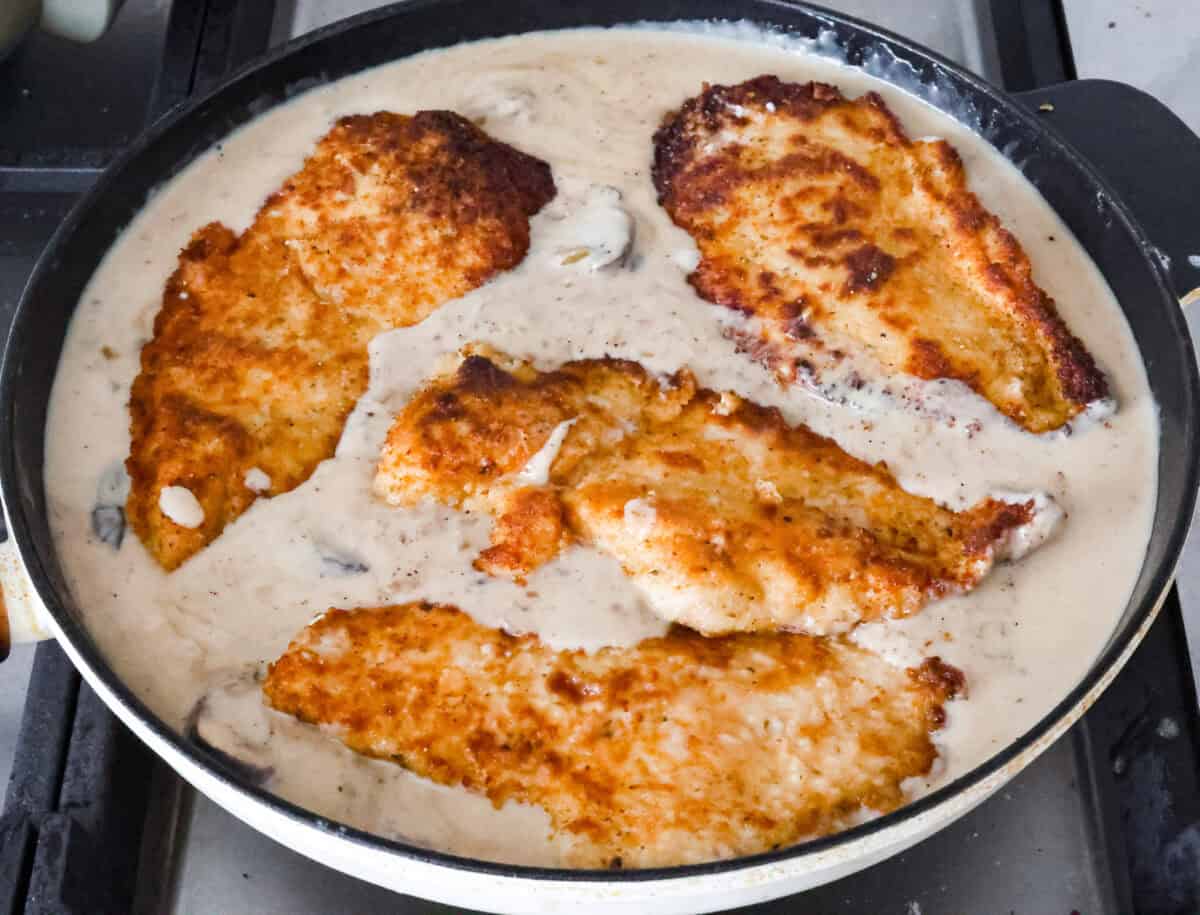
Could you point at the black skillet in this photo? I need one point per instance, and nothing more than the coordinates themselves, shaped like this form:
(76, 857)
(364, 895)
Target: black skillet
(1139, 274)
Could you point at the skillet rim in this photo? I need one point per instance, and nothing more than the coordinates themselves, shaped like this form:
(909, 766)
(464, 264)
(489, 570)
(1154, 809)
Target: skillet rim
(1123, 637)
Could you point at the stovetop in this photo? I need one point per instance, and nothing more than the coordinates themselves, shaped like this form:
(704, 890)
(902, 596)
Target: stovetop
(1106, 821)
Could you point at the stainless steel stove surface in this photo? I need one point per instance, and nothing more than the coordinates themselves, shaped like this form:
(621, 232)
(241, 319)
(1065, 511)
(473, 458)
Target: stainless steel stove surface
(1085, 829)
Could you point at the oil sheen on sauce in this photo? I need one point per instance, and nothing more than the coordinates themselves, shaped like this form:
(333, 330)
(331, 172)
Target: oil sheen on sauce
(587, 102)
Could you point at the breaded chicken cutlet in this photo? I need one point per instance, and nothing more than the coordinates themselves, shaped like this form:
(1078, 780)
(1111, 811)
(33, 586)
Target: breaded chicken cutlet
(817, 215)
(724, 516)
(677, 750)
(259, 351)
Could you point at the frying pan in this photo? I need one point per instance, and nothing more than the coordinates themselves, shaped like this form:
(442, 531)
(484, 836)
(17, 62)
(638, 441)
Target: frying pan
(39, 602)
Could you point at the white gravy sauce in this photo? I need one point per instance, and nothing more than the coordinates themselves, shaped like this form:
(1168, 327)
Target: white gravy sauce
(606, 274)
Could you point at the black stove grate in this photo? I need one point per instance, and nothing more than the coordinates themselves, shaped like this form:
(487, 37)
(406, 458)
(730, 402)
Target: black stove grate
(73, 826)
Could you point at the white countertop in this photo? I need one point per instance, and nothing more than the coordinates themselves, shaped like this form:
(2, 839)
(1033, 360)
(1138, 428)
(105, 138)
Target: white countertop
(1151, 44)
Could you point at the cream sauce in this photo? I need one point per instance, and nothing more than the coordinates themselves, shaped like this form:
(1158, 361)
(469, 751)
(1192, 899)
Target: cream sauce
(536, 471)
(606, 275)
(256, 480)
(181, 505)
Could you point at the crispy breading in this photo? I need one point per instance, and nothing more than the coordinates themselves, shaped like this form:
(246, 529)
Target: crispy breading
(819, 216)
(259, 351)
(530, 529)
(726, 518)
(677, 750)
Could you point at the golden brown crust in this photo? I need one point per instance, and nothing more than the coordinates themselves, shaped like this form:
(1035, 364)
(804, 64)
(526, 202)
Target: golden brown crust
(260, 349)
(484, 420)
(530, 530)
(818, 215)
(679, 749)
(727, 518)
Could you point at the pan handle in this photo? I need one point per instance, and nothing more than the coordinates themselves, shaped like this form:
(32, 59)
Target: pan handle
(1153, 168)
(23, 616)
